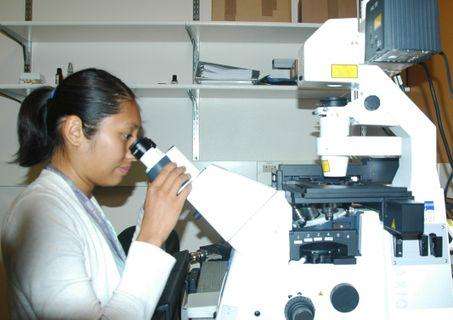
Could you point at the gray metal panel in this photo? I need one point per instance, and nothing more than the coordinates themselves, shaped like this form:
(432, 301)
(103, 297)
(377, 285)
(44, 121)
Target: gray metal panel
(211, 276)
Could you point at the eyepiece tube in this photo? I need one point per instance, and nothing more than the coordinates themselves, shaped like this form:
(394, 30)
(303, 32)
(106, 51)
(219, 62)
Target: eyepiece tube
(144, 149)
(139, 147)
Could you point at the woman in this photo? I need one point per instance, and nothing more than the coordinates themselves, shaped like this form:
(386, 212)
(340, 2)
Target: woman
(61, 255)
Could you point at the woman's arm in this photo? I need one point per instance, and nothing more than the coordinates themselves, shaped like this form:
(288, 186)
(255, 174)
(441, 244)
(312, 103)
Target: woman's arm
(45, 259)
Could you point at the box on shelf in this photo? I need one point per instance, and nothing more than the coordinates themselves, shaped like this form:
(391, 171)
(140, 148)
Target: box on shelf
(251, 10)
(283, 63)
(31, 78)
(318, 11)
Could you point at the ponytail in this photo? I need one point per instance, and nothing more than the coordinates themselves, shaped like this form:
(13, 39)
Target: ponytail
(34, 143)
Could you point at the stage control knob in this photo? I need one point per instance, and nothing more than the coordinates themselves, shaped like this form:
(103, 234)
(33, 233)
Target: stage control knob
(344, 297)
(299, 308)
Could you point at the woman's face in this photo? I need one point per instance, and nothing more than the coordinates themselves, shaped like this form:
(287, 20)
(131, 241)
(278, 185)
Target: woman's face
(109, 158)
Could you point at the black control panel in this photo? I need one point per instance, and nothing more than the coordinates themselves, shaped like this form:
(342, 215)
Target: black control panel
(335, 241)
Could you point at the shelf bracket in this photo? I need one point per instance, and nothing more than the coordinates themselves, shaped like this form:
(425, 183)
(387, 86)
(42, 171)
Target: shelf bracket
(194, 95)
(195, 39)
(26, 45)
(11, 94)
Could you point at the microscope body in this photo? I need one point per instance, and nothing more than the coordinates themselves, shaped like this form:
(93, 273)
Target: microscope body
(307, 251)
(266, 280)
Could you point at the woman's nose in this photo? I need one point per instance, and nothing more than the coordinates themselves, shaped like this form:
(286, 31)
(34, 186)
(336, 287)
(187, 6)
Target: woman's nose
(129, 155)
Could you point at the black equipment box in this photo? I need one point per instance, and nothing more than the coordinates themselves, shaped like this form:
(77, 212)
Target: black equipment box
(391, 36)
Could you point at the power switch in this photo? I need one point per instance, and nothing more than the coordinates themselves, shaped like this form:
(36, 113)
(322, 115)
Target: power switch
(435, 245)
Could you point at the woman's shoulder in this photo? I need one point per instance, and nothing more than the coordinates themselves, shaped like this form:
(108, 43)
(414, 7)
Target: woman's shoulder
(49, 196)
(48, 186)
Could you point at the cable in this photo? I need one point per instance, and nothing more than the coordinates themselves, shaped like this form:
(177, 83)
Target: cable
(448, 183)
(447, 68)
(438, 119)
(450, 87)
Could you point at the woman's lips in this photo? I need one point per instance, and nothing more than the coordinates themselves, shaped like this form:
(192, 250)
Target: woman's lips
(124, 170)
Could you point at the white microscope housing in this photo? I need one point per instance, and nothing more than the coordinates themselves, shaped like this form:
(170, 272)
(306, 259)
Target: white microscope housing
(388, 278)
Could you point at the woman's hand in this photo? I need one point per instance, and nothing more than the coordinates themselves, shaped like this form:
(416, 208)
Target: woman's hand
(163, 205)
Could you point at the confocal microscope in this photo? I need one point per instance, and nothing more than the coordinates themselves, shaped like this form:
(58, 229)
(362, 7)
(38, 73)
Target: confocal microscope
(342, 240)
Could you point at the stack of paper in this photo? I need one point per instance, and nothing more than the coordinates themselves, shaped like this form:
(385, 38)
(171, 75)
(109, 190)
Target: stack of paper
(218, 73)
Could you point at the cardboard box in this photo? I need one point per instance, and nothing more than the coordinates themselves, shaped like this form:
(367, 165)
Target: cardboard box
(251, 10)
(318, 11)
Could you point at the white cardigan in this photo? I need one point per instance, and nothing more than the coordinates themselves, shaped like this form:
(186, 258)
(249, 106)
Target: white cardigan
(59, 266)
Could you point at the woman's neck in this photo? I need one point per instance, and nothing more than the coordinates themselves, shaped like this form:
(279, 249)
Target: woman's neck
(62, 163)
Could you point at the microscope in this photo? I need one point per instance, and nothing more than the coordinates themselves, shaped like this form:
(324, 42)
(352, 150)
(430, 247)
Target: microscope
(341, 240)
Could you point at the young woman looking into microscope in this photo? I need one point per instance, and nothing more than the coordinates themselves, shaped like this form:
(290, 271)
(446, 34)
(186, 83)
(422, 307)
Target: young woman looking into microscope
(61, 255)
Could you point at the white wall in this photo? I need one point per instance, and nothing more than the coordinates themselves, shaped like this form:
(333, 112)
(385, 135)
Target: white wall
(243, 133)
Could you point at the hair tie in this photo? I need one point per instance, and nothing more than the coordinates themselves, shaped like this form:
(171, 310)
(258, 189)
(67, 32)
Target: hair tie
(52, 93)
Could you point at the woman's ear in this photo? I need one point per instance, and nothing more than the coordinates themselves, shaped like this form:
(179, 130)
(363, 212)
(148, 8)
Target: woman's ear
(72, 131)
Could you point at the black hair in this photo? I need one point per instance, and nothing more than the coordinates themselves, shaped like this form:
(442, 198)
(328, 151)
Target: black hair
(90, 94)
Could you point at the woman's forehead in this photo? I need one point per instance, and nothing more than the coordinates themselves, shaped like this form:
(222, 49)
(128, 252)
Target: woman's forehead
(129, 116)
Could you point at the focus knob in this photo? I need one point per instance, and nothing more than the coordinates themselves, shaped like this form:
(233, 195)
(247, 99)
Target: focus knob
(299, 308)
(344, 297)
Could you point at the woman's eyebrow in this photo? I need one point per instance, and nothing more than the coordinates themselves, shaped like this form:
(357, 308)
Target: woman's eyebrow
(134, 126)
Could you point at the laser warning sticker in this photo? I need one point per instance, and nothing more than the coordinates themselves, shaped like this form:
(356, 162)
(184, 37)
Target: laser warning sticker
(344, 71)
(325, 166)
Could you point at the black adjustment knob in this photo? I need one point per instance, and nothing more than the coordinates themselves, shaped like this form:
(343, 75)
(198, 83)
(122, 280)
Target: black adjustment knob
(299, 308)
(344, 297)
(372, 103)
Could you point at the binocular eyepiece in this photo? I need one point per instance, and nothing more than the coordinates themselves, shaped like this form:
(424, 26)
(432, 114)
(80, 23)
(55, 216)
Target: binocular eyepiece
(141, 146)
(144, 150)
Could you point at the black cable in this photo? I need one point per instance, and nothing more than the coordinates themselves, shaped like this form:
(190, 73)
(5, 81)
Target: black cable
(447, 68)
(448, 183)
(439, 119)
(450, 88)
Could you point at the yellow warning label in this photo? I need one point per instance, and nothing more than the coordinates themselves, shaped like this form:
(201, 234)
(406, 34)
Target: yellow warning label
(344, 71)
(378, 21)
(393, 225)
(325, 166)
